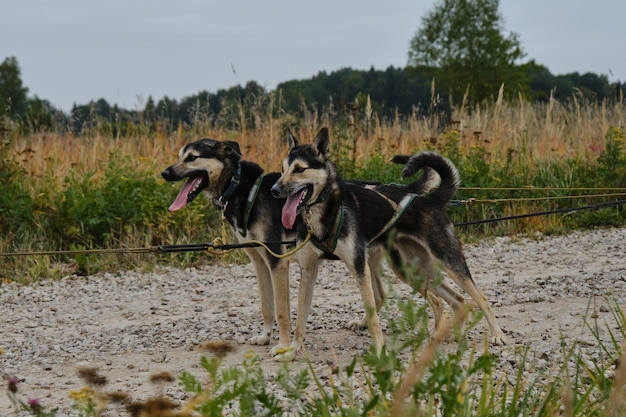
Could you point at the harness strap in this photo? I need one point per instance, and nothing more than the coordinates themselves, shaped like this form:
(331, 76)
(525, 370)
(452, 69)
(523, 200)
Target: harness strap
(400, 209)
(254, 191)
(329, 250)
(323, 196)
(234, 182)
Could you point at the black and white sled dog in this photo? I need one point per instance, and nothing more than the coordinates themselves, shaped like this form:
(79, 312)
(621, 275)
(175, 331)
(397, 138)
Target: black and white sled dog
(242, 189)
(347, 219)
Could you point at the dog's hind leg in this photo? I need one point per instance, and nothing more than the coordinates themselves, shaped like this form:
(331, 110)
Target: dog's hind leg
(461, 275)
(398, 262)
(448, 250)
(373, 261)
(356, 261)
(266, 293)
(364, 281)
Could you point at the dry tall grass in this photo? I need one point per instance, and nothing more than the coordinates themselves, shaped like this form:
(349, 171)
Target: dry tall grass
(541, 131)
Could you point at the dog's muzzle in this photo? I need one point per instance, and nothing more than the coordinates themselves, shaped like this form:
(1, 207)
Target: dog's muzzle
(167, 174)
(277, 191)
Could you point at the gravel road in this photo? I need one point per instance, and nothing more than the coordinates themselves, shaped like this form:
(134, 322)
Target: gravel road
(131, 325)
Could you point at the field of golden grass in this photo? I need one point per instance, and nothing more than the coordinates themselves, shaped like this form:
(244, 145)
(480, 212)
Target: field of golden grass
(541, 131)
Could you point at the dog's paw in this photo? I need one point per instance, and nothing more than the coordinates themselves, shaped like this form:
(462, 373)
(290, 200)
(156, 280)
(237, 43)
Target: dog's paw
(281, 353)
(285, 355)
(260, 340)
(498, 340)
(356, 325)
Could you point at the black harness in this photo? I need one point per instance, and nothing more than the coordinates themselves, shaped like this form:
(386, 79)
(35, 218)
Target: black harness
(234, 182)
(222, 201)
(254, 192)
(329, 245)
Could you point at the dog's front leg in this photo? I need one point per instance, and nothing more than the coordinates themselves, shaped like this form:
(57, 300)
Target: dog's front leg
(266, 294)
(280, 284)
(309, 259)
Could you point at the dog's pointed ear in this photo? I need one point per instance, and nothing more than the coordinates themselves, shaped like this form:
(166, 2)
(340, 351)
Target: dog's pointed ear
(232, 146)
(292, 141)
(321, 142)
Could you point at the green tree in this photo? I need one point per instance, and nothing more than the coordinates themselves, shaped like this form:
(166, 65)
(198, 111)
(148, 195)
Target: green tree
(39, 116)
(540, 80)
(12, 94)
(463, 41)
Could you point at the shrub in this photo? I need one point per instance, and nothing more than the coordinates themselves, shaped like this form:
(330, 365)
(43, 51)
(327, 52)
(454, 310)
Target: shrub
(16, 204)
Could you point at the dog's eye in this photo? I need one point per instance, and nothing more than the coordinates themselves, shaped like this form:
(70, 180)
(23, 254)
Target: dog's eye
(298, 170)
(191, 158)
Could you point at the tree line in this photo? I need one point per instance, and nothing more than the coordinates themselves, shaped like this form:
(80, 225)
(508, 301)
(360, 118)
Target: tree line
(389, 93)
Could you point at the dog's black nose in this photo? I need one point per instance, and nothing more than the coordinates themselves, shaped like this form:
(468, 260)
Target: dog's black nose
(166, 173)
(276, 190)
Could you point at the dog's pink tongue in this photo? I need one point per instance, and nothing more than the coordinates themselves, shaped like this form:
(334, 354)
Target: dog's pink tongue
(290, 211)
(181, 198)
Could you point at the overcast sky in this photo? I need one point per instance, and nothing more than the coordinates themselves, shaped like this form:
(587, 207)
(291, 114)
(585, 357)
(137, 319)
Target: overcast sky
(74, 51)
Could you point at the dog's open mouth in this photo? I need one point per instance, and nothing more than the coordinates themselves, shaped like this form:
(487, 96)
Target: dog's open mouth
(190, 190)
(293, 206)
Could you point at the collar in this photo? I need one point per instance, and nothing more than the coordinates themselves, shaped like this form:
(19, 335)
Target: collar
(323, 195)
(234, 182)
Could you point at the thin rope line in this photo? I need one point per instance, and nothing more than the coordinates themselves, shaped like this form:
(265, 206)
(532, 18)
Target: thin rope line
(542, 213)
(531, 188)
(520, 199)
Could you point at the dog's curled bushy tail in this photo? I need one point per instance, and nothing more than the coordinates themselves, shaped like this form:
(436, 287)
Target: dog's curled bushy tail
(429, 161)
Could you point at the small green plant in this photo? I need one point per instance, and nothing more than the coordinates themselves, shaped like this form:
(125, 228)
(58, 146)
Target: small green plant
(612, 159)
(240, 385)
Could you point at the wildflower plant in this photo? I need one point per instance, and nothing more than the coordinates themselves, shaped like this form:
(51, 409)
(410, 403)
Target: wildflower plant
(85, 401)
(31, 405)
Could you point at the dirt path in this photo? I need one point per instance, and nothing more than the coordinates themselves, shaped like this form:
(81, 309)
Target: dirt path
(131, 325)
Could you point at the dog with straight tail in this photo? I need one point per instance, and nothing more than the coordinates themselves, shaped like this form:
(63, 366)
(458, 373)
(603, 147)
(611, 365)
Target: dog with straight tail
(349, 220)
(243, 191)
